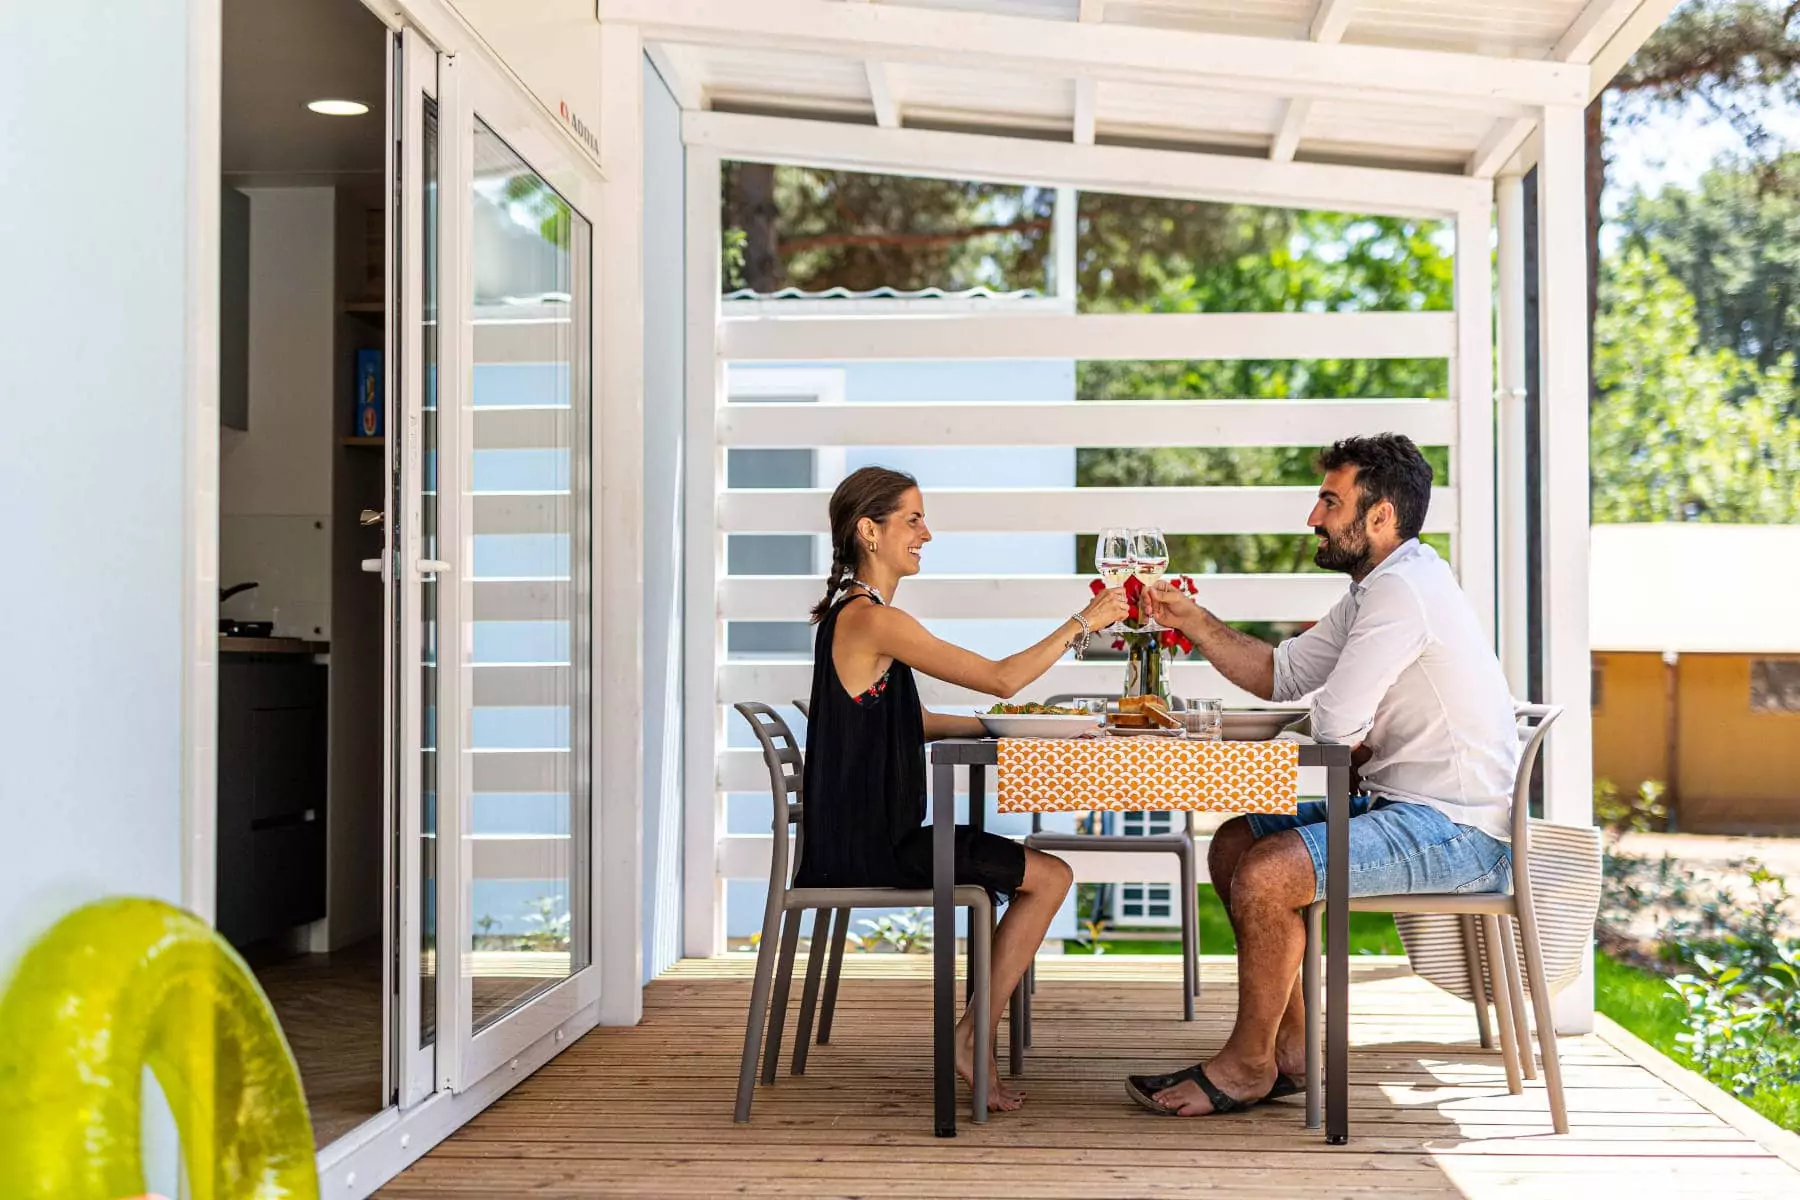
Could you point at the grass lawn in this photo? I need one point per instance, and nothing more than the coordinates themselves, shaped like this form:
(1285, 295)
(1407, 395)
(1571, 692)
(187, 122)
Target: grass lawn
(1642, 1002)
(1370, 933)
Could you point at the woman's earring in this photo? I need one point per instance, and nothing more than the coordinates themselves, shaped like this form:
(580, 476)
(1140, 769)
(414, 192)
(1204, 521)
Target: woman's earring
(871, 547)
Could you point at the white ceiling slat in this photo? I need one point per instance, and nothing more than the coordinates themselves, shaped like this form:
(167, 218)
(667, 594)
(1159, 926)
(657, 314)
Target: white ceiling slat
(1063, 510)
(1180, 174)
(1114, 337)
(1298, 597)
(1328, 25)
(1127, 424)
(1107, 51)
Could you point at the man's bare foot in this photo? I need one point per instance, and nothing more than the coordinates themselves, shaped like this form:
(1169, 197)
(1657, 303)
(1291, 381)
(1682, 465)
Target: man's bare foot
(1187, 1099)
(1000, 1097)
(1290, 1057)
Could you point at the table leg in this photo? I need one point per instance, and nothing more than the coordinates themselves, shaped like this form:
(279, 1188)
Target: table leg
(943, 948)
(977, 822)
(1337, 957)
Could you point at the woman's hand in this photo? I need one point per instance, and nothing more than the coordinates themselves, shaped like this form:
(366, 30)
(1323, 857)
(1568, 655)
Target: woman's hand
(1169, 605)
(1105, 608)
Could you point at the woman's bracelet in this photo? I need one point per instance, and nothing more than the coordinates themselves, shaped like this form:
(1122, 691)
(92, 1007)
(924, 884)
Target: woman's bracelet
(1080, 641)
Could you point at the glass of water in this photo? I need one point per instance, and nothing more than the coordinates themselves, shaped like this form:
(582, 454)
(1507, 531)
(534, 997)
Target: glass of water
(1092, 705)
(1203, 719)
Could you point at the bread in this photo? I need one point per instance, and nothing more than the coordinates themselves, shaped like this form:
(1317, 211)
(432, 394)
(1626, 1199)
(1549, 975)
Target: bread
(1137, 712)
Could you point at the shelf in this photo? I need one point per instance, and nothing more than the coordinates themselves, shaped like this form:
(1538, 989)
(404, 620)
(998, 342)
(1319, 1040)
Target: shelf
(364, 441)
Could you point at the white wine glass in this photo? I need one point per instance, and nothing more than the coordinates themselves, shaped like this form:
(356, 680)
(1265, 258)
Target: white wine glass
(1149, 559)
(1112, 558)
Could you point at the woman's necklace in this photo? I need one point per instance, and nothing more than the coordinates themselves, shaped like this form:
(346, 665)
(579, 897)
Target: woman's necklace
(871, 589)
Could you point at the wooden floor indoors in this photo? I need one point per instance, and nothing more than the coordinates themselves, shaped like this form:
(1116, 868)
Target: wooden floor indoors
(647, 1111)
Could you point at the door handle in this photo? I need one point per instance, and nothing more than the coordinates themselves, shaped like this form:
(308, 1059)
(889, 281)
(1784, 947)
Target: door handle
(433, 566)
(373, 565)
(370, 517)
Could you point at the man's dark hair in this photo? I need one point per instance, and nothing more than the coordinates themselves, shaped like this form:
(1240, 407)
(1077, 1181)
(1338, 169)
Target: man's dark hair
(1388, 467)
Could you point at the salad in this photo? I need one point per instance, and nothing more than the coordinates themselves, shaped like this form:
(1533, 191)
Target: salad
(1033, 710)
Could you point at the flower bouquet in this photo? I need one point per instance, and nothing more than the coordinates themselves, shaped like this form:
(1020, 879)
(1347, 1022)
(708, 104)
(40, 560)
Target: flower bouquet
(1146, 650)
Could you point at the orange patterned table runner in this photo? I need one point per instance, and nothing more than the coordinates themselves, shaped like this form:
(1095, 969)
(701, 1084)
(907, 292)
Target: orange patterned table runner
(1152, 774)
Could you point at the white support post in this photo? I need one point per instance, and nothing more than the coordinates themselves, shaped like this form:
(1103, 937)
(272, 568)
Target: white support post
(1563, 445)
(1472, 385)
(703, 825)
(1065, 233)
(1510, 490)
(618, 690)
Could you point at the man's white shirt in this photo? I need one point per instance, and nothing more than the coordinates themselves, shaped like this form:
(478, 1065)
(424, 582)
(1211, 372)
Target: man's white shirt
(1401, 665)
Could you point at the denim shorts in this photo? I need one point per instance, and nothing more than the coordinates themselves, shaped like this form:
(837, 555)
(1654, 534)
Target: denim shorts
(1398, 848)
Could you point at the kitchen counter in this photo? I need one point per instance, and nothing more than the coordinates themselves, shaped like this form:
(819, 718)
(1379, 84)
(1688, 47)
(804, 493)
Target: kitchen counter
(270, 645)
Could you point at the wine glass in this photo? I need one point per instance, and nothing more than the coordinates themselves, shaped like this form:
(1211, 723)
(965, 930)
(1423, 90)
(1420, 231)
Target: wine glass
(1112, 558)
(1149, 559)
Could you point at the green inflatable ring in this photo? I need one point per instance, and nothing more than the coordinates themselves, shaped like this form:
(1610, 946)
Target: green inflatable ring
(125, 984)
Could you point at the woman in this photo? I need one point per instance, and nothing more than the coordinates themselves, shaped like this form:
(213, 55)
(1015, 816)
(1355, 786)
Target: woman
(865, 741)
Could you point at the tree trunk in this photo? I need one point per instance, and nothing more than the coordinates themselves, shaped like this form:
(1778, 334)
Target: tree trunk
(1596, 185)
(753, 211)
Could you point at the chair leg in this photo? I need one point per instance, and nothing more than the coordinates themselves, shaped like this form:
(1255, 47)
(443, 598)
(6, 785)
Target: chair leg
(981, 958)
(1509, 1037)
(1546, 1019)
(1310, 994)
(766, 954)
(784, 978)
(840, 930)
(1515, 982)
(816, 949)
(1190, 936)
(1477, 981)
(1015, 1030)
(1029, 985)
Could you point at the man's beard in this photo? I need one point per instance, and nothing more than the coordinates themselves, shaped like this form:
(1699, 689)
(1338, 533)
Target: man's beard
(1348, 552)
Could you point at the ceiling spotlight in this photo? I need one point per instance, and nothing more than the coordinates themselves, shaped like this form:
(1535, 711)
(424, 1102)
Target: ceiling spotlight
(339, 108)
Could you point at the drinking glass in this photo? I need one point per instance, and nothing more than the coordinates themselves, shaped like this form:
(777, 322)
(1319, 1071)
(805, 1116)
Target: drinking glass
(1204, 719)
(1149, 559)
(1093, 706)
(1112, 558)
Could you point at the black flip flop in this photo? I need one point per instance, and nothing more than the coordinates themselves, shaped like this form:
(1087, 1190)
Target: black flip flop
(1285, 1085)
(1137, 1087)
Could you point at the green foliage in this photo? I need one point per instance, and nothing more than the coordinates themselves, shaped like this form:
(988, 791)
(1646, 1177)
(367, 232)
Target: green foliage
(1639, 813)
(1370, 933)
(1743, 1021)
(1734, 243)
(1680, 432)
(1738, 57)
(905, 932)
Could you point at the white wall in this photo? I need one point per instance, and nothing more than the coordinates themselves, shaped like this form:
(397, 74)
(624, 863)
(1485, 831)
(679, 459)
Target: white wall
(275, 477)
(92, 441)
(664, 411)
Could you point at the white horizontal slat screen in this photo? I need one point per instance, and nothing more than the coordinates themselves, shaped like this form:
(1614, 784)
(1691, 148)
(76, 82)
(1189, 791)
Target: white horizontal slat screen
(1099, 336)
(784, 680)
(1033, 597)
(1063, 510)
(1124, 423)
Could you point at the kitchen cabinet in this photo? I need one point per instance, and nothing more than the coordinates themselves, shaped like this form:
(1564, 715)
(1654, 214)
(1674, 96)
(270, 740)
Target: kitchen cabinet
(273, 747)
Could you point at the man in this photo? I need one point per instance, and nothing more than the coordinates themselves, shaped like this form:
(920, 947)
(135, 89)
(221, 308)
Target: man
(1400, 670)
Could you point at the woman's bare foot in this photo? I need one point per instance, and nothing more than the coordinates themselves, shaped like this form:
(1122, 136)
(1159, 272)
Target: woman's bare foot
(1000, 1097)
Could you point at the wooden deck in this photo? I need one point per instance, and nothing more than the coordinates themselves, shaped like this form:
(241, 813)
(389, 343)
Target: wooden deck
(647, 1111)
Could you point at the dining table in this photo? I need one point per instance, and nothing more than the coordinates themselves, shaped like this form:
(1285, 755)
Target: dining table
(977, 755)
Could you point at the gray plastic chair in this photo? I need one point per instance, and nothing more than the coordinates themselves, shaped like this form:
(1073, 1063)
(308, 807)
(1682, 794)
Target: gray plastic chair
(1181, 843)
(787, 905)
(1490, 914)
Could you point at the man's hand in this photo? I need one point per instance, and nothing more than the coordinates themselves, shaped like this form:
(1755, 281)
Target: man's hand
(1171, 606)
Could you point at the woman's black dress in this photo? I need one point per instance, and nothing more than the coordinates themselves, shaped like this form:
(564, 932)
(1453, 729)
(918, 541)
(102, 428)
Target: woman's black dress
(864, 799)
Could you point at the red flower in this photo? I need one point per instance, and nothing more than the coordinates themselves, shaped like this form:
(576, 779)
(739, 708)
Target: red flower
(1097, 586)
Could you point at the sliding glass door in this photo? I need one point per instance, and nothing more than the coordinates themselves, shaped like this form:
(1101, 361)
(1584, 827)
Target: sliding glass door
(515, 602)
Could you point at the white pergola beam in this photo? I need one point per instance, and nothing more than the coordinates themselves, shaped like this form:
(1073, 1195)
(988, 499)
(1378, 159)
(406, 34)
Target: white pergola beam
(1138, 423)
(1328, 26)
(1126, 53)
(1499, 146)
(1063, 510)
(678, 74)
(1176, 174)
(1087, 91)
(1302, 596)
(1633, 33)
(1115, 337)
(881, 91)
(1592, 28)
